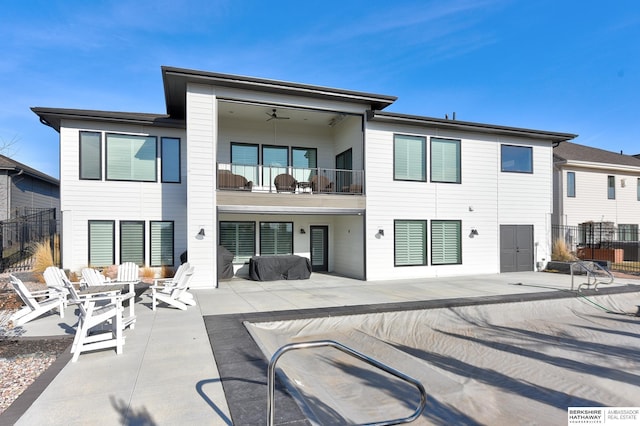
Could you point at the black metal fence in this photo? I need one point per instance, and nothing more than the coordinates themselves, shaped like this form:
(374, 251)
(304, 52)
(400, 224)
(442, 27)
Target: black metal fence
(20, 236)
(618, 245)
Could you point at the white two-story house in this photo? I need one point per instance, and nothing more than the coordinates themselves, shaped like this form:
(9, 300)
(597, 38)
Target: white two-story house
(596, 195)
(264, 167)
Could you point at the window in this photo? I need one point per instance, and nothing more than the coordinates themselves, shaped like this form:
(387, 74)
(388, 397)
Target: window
(275, 160)
(445, 160)
(638, 189)
(239, 238)
(305, 158)
(628, 232)
(90, 155)
(409, 153)
(131, 158)
(276, 238)
(410, 239)
(446, 242)
(101, 242)
(244, 160)
(161, 243)
(170, 151)
(304, 162)
(611, 187)
(132, 242)
(571, 184)
(517, 159)
(344, 175)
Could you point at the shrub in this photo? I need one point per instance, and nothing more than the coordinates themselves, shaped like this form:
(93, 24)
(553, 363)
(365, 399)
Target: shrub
(167, 272)
(561, 252)
(148, 274)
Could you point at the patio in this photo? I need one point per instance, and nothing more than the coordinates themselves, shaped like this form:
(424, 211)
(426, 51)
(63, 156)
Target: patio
(168, 373)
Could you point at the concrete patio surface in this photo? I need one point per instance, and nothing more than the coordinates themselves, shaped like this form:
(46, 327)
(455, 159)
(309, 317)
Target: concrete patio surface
(167, 373)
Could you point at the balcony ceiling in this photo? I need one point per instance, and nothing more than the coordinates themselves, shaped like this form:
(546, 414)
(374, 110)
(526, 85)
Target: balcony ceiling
(260, 113)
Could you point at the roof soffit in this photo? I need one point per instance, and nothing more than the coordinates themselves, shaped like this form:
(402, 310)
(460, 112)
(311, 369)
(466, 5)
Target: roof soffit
(176, 79)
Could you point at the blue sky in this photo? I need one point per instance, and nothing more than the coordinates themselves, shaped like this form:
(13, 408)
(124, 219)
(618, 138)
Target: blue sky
(565, 66)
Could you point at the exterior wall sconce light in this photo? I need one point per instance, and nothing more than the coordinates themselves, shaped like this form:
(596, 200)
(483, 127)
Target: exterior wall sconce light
(302, 231)
(381, 232)
(473, 233)
(201, 233)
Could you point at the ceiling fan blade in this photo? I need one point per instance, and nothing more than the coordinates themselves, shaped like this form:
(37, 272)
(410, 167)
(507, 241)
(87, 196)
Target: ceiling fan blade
(274, 116)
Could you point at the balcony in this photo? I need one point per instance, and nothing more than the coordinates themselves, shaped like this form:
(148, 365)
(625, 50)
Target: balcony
(292, 180)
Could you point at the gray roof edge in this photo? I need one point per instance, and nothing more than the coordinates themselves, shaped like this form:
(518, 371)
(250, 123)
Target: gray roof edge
(239, 81)
(11, 164)
(574, 153)
(388, 117)
(53, 116)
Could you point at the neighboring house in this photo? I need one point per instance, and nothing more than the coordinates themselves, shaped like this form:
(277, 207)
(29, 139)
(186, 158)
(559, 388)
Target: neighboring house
(24, 190)
(592, 185)
(369, 194)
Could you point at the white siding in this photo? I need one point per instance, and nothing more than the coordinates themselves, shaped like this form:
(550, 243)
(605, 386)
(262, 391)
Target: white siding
(84, 200)
(348, 246)
(201, 200)
(485, 199)
(591, 202)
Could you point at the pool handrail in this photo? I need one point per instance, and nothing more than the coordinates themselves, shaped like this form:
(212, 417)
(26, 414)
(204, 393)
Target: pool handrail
(593, 270)
(271, 374)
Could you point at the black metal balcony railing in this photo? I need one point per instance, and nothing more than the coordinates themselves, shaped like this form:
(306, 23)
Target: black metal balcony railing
(242, 177)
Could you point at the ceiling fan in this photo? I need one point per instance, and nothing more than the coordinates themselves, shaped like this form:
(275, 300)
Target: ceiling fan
(274, 116)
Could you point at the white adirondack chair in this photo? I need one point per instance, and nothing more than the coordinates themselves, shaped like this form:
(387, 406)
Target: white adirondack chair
(174, 294)
(33, 307)
(128, 272)
(54, 278)
(100, 322)
(173, 281)
(93, 277)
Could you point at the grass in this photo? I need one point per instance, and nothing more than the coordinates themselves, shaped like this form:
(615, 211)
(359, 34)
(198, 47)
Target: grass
(43, 257)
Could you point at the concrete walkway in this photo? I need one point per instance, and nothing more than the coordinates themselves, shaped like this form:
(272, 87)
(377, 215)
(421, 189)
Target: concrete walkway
(167, 373)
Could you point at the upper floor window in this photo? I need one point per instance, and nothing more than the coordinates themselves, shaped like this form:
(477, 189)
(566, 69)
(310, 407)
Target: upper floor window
(170, 151)
(611, 187)
(304, 162)
(275, 160)
(91, 155)
(244, 160)
(131, 158)
(571, 184)
(445, 160)
(518, 159)
(638, 190)
(409, 158)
